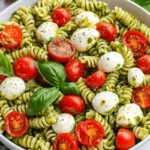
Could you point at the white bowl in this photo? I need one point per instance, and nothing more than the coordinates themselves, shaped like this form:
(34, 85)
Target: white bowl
(127, 5)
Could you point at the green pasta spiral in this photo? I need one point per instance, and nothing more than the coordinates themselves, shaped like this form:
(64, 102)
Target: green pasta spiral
(111, 119)
(1, 125)
(147, 79)
(5, 110)
(110, 18)
(146, 121)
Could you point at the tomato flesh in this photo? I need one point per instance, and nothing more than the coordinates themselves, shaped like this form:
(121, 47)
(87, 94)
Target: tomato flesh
(75, 69)
(11, 37)
(89, 132)
(61, 50)
(141, 96)
(40, 80)
(65, 141)
(72, 104)
(16, 124)
(2, 77)
(61, 16)
(144, 63)
(125, 139)
(136, 41)
(107, 31)
(25, 68)
(96, 80)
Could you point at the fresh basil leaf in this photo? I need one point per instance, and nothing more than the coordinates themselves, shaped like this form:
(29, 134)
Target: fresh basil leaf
(52, 72)
(5, 66)
(70, 88)
(42, 98)
(145, 4)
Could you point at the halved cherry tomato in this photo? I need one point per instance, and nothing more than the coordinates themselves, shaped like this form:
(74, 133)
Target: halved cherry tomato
(89, 132)
(125, 139)
(136, 41)
(61, 16)
(96, 80)
(65, 141)
(40, 80)
(11, 37)
(72, 104)
(107, 31)
(25, 68)
(141, 96)
(144, 63)
(2, 77)
(75, 69)
(61, 50)
(16, 124)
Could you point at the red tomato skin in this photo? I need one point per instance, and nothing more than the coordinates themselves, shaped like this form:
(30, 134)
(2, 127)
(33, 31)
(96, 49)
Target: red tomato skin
(9, 127)
(125, 139)
(12, 34)
(2, 77)
(141, 96)
(65, 138)
(72, 104)
(25, 68)
(144, 63)
(61, 16)
(107, 31)
(40, 80)
(83, 136)
(96, 80)
(142, 41)
(58, 44)
(75, 69)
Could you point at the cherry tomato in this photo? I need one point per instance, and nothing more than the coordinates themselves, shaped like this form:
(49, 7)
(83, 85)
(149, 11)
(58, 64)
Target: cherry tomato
(25, 68)
(72, 104)
(136, 41)
(16, 124)
(61, 50)
(11, 37)
(75, 69)
(2, 77)
(141, 96)
(61, 16)
(65, 141)
(107, 31)
(125, 139)
(96, 80)
(40, 80)
(89, 132)
(144, 63)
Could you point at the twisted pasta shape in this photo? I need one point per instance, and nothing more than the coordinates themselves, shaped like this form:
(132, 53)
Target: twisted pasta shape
(2, 102)
(110, 18)
(146, 121)
(39, 20)
(122, 30)
(147, 79)
(90, 61)
(111, 119)
(140, 132)
(31, 84)
(5, 110)
(111, 81)
(32, 142)
(127, 54)
(79, 118)
(1, 125)
(86, 92)
(59, 98)
(108, 132)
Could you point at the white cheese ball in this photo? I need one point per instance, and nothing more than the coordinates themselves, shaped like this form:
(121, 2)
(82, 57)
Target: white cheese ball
(65, 124)
(135, 77)
(88, 16)
(105, 102)
(12, 87)
(47, 30)
(110, 62)
(84, 39)
(129, 115)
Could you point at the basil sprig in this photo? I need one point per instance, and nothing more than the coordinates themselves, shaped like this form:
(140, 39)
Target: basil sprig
(40, 99)
(54, 73)
(5, 66)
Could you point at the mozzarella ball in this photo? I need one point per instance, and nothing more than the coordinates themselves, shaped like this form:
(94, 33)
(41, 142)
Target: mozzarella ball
(65, 124)
(12, 87)
(47, 30)
(105, 102)
(135, 77)
(88, 16)
(84, 39)
(129, 115)
(110, 62)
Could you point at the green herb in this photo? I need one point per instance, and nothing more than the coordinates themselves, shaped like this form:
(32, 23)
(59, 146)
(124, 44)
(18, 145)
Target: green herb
(5, 66)
(143, 3)
(42, 98)
(70, 88)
